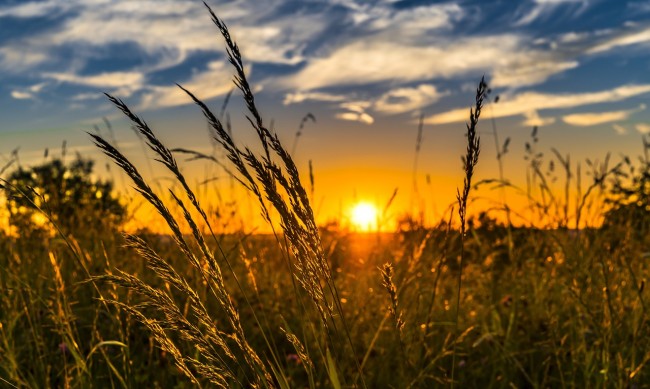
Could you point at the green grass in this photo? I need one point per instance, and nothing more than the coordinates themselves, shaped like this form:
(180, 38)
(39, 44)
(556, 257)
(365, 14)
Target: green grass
(471, 302)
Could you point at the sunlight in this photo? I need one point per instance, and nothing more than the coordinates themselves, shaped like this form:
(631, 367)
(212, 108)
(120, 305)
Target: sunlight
(364, 216)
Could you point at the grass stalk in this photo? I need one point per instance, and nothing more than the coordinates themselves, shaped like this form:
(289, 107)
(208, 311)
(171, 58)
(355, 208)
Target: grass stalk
(470, 161)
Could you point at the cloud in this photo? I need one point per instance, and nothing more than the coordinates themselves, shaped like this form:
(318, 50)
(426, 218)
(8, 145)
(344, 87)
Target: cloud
(101, 80)
(395, 101)
(595, 118)
(36, 88)
(35, 9)
(620, 130)
(28, 93)
(361, 117)
(544, 8)
(573, 37)
(356, 111)
(213, 82)
(87, 96)
(381, 15)
(512, 60)
(534, 120)
(407, 99)
(16, 58)
(169, 29)
(529, 71)
(299, 97)
(598, 41)
(120, 83)
(525, 102)
(643, 128)
(367, 61)
(21, 95)
(356, 106)
(410, 21)
(622, 39)
(591, 119)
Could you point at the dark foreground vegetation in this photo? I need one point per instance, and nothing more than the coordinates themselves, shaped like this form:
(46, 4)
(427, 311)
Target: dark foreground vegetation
(471, 302)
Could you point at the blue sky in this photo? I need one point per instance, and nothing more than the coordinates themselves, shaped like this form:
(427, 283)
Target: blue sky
(362, 59)
(366, 69)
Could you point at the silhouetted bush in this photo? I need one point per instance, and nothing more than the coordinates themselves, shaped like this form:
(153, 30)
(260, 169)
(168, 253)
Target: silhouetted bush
(66, 194)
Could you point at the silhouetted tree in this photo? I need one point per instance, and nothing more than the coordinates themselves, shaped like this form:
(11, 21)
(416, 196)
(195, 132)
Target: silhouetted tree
(68, 194)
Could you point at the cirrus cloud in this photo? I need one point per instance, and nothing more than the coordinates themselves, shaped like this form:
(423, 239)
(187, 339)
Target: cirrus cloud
(407, 99)
(594, 118)
(643, 128)
(524, 103)
(366, 62)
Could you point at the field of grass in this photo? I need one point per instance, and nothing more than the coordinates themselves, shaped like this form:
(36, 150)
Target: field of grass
(473, 302)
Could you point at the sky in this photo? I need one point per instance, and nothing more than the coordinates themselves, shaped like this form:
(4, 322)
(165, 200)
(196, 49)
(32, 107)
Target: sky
(366, 70)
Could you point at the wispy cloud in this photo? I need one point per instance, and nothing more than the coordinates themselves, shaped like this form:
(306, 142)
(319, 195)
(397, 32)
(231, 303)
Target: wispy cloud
(111, 80)
(534, 120)
(394, 101)
(643, 128)
(621, 39)
(407, 99)
(526, 102)
(356, 111)
(620, 130)
(594, 118)
(529, 70)
(367, 61)
(28, 93)
(212, 82)
(86, 96)
(361, 117)
(36, 8)
(16, 58)
(410, 21)
(21, 95)
(544, 8)
(299, 97)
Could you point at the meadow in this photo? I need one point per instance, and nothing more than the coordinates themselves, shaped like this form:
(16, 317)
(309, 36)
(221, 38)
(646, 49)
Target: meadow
(475, 301)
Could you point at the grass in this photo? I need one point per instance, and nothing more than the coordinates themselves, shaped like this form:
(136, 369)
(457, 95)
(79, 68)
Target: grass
(470, 302)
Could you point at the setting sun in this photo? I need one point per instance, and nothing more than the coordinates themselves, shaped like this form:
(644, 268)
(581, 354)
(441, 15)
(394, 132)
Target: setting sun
(364, 216)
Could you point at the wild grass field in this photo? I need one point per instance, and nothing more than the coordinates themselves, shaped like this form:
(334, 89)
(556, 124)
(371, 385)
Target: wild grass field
(475, 301)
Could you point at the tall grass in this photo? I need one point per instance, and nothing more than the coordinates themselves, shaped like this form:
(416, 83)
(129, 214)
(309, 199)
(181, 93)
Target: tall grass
(273, 179)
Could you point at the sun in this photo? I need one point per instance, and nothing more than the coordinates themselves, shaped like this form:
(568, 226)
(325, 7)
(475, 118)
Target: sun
(364, 216)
